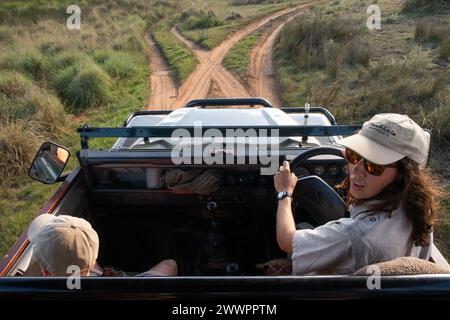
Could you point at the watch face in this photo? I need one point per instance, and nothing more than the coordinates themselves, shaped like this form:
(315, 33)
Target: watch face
(280, 195)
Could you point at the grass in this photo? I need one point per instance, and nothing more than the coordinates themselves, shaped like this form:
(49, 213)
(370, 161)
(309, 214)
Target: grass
(436, 35)
(237, 58)
(212, 37)
(181, 60)
(356, 74)
(426, 7)
(198, 19)
(90, 87)
(234, 17)
(48, 73)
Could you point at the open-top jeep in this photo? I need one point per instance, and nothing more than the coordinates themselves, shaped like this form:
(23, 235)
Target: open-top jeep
(196, 184)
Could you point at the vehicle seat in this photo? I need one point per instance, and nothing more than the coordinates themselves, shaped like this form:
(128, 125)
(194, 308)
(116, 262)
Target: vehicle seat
(405, 266)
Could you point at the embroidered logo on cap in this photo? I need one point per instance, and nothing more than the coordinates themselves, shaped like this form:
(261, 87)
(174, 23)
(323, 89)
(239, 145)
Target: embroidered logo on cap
(383, 129)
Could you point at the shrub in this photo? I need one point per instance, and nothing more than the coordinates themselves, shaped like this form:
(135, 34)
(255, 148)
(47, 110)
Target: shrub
(199, 20)
(358, 52)
(13, 84)
(34, 64)
(331, 42)
(63, 78)
(246, 2)
(128, 43)
(428, 32)
(18, 143)
(51, 48)
(233, 16)
(5, 34)
(120, 65)
(21, 99)
(444, 50)
(69, 58)
(426, 6)
(89, 88)
(101, 55)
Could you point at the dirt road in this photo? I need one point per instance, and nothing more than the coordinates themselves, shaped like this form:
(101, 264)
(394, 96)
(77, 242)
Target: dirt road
(261, 80)
(210, 76)
(208, 70)
(164, 90)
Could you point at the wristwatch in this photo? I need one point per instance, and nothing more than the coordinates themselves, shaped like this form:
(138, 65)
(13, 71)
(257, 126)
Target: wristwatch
(283, 194)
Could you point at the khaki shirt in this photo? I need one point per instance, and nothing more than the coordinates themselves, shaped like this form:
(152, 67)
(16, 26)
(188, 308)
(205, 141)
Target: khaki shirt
(348, 244)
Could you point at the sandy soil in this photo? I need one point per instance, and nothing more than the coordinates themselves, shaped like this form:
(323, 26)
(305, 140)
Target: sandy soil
(210, 78)
(260, 71)
(164, 90)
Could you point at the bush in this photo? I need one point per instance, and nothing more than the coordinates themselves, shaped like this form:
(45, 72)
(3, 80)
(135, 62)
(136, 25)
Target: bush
(89, 88)
(21, 99)
(5, 34)
(331, 42)
(427, 32)
(233, 16)
(120, 65)
(358, 52)
(444, 50)
(18, 143)
(63, 78)
(247, 2)
(34, 64)
(426, 6)
(51, 48)
(128, 43)
(69, 58)
(13, 84)
(100, 56)
(199, 20)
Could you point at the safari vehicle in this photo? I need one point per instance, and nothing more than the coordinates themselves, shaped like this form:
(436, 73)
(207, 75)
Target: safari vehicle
(217, 219)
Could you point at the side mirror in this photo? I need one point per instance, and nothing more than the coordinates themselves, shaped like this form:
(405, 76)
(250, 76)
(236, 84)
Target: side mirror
(49, 163)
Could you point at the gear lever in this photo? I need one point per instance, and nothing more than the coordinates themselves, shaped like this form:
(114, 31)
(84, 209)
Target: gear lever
(215, 248)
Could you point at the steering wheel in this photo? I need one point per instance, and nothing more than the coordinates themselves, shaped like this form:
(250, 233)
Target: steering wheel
(301, 158)
(313, 194)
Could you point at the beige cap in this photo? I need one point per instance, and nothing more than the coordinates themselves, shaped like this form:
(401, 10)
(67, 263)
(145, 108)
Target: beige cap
(389, 137)
(61, 241)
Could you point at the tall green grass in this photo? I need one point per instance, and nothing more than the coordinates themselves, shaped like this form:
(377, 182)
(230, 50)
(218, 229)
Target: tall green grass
(324, 42)
(335, 68)
(198, 19)
(237, 59)
(178, 56)
(426, 6)
(232, 16)
(53, 79)
(435, 34)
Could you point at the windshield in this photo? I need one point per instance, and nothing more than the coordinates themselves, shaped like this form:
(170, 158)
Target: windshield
(221, 143)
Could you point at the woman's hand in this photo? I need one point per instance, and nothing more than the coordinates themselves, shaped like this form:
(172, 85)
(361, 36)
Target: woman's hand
(285, 229)
(285, 180)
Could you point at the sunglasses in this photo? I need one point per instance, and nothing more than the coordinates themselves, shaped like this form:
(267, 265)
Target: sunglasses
(371, 168)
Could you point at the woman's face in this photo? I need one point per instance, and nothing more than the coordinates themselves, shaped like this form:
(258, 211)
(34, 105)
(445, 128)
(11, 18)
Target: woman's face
(364, 185)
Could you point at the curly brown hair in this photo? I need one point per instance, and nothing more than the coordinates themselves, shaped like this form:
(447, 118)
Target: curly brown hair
(415, 188)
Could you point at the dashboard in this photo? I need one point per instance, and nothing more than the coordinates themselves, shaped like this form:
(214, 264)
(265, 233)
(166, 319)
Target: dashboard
(136, 176)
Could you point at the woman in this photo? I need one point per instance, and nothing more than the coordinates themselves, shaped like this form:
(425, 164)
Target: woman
(391, 201)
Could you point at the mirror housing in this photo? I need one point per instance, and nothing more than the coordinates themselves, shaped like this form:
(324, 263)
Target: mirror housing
(49, 163)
